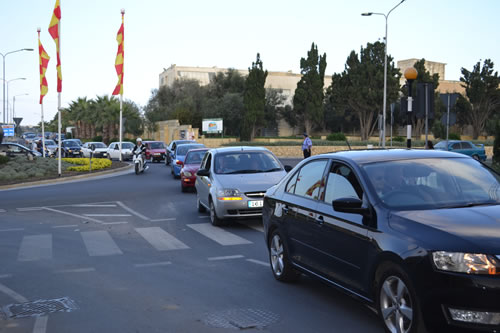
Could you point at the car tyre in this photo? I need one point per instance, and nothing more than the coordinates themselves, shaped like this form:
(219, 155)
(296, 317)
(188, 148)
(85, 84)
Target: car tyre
(279, 259)
(201, 208)
(214, 219)
(396, 300)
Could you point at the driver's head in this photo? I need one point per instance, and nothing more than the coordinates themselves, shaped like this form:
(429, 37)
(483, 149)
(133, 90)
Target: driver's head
(139, 141)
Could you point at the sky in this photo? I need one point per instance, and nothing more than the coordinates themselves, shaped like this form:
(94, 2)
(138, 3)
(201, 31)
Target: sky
(226, 33)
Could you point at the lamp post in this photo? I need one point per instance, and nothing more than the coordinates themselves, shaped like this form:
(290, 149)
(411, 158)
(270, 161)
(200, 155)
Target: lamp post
(6, 118)
(410, 76)
(385, 67)
(14, 104)
(3, 56)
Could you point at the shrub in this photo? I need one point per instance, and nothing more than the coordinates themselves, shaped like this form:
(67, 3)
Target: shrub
(97, 138)
(3, 159)
(84, 164)
(398, 139)
(439, 130)
(496, 146)
(454, 136)
(336, 137)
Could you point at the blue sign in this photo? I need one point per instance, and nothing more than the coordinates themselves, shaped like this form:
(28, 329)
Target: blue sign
(8, 130)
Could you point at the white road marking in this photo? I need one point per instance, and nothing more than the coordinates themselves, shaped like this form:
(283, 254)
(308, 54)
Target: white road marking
(12, 294)
(92, 205)
(259, 227)
(238, 256)
(203, 217)
(100, 243)
(258, 262)
(40, 324)
(160, 239)
(153, 264)
(130, 210)
(29, 209)
(76, 270)
(218, 235)
(162, 220)
(35, 247)
(65, 226)
(107, 215)
(12, 229)
(171, 207)
(71, 214)
(3, 211)
(113, 223)
(5, 276)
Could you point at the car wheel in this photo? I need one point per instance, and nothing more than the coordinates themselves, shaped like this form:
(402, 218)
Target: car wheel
(278, 256)
(201, 208)
(396, 301)
(214, 219)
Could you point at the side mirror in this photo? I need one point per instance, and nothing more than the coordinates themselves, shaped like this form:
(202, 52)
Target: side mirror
(92, 147)
(203, 173)
(350, 205)
(117, 147)
(288, 168)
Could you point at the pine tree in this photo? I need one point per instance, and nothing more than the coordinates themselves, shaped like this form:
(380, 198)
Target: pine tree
(254, 99)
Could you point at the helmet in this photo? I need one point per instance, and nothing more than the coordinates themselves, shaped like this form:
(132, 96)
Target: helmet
(139, 140)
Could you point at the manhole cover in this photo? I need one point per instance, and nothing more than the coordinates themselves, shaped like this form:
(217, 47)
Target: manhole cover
(241, 319)
(39, 308)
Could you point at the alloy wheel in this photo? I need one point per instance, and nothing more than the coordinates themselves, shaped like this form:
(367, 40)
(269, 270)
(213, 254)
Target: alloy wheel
(396, 305)
(276, 249)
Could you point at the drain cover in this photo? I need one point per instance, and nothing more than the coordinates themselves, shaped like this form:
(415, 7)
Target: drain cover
(39, 308)
(241, 319)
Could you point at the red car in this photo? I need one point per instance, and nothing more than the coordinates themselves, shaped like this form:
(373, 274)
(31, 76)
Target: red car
(155, 151)
(191, 165)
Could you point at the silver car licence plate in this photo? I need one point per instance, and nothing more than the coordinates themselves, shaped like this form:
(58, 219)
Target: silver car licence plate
(256, 203)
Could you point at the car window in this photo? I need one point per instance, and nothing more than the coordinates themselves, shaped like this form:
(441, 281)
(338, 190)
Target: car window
(246, 162)
(310, 179)
(466, 145)
(127, 145)
(14, 149)
(456, 145)
(50, 143)
(341, 183)
(183, 149)
(156, 145)
(194, 157)
(290, 187)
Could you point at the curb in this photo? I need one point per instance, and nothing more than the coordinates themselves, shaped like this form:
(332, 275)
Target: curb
(65, 179)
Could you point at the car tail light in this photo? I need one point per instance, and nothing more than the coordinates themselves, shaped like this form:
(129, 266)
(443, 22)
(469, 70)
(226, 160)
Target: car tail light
(179, 163)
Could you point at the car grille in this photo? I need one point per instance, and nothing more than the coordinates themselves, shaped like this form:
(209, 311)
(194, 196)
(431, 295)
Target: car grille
(244, 211)
(255, 195)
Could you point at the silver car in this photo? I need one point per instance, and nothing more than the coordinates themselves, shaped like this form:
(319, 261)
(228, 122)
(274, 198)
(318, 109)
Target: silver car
(231, 182)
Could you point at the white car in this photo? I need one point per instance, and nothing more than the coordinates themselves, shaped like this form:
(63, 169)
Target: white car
(114, 150)
(101, 150)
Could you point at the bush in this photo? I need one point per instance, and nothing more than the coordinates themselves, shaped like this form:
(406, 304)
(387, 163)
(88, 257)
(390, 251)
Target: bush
(496, 147)
(84, 164)
(439, 130)
(336, 137)
(69, 136)
(3, 159)
(97, 138)
(454, 136)
(398, 139)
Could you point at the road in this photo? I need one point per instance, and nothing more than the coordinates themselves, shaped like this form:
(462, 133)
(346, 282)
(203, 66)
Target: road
(132, 254)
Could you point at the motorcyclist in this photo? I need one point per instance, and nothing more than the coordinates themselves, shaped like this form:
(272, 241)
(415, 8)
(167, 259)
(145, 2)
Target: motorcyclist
(140, 148)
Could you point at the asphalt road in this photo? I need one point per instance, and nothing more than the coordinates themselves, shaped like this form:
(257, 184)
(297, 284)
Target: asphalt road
(132, 254)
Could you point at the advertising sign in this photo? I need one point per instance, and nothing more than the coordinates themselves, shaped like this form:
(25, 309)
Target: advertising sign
(8, 130)
(212, 125)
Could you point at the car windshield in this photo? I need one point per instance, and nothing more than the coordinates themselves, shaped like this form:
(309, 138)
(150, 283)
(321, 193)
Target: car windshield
(182, 150)
(127, 145)
(246, 162)
(434, 183)
(71, 144)
(98, 145)
(50, 143)
(156, 145)
(195, 157)
(440, 145)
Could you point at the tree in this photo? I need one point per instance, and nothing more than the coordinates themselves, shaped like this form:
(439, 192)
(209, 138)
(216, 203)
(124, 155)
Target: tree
(481, 88)
(309, 95)
(254, 99)
(359, 88)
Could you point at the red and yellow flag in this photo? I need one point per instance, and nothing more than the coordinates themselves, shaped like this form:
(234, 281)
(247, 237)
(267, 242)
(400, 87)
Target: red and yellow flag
(44, 62)
(119, 59)
(54, 32)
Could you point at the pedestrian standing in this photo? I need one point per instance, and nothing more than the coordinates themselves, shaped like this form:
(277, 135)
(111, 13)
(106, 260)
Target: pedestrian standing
(429, 145)
(306, 146)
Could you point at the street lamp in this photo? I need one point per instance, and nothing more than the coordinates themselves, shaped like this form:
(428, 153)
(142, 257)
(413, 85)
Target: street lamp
(3, 56)
(14, 104)
(410, 76)
(385, 66)
(6, 118)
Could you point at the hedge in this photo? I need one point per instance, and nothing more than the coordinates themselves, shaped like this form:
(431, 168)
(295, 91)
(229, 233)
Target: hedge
(84, 164)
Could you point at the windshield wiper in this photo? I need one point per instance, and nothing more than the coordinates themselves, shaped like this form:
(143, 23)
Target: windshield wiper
(273, 169)
(471, 204)
(243, 171)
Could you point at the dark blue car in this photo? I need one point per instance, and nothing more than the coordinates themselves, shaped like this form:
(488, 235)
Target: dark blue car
(477, 152)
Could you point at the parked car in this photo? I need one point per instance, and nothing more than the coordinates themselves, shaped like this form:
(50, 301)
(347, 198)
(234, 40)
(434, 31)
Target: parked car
(172, 147)
(232, 181)
(179, 155)
(477, 152)
(15, 149)
(55, 137)
(50, 147)
(114, 150)
(155, 151)
(190, 167)
(100, 149)
(415, 234)
(28, 138)
(70, 148)
(78, 141)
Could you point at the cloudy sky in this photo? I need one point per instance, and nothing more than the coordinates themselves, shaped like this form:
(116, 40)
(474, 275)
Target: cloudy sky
(227, 33)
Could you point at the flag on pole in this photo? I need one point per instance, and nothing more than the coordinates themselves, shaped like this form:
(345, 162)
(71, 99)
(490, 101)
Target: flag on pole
(54, 32)
(119, 59)
(44, 62)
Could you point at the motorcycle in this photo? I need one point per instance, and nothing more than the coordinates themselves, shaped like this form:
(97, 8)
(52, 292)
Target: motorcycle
(138, 160)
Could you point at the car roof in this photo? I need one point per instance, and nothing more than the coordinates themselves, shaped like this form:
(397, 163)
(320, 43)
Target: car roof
(239, 149)
(199, 149)
(386, 155)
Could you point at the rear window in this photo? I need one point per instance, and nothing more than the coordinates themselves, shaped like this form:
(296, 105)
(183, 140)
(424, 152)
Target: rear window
(183, 149)
(195, 157)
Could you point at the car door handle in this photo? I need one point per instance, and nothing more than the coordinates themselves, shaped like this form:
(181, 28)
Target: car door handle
(320, 220)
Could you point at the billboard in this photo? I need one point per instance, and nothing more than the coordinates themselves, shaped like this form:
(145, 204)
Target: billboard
(8, 130)
(212, 125)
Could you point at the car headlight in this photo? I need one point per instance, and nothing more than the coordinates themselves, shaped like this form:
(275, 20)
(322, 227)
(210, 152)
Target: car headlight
(469, 263)
(187, 174)
(229, 194)
(69, 150)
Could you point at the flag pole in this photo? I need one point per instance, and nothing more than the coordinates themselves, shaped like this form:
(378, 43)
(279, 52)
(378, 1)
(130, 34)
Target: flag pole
(43, 132)
(121, 124)
(59, 104)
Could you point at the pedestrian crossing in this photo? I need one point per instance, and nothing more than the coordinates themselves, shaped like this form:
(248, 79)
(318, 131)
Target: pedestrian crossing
(100, 243)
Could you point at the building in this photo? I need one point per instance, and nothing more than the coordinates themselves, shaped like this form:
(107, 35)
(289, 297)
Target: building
(285, 81)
